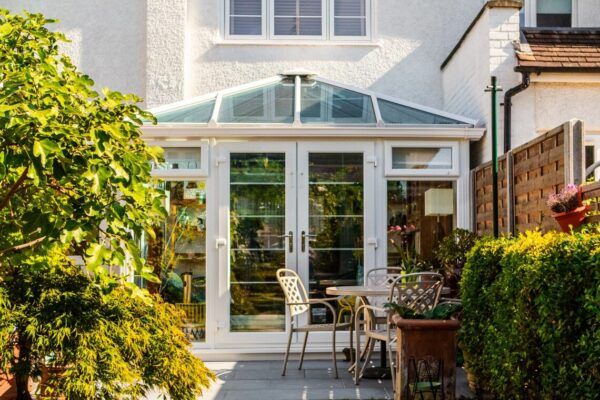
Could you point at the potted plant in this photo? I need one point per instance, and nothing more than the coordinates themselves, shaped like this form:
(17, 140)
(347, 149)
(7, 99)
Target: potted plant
(568, 207)
(452, 256)
(426, 350)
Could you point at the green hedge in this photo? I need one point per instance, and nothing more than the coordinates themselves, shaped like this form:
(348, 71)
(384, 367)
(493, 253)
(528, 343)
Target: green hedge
(531, 318)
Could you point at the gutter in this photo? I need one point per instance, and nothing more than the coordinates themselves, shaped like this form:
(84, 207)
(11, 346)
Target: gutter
(525, 80)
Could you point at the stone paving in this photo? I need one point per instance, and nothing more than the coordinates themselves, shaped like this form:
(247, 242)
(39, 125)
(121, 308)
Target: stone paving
(262, 380)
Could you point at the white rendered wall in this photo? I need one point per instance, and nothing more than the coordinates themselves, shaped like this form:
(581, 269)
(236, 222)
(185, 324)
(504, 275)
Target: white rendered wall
(486, 51)
(413, 37)
(588, 13)
(107, 37)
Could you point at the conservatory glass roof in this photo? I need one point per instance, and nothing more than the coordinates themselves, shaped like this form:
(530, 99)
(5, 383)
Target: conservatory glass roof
(302, 99)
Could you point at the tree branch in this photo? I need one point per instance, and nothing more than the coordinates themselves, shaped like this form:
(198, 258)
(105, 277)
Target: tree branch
(23, 246)
(14, 188)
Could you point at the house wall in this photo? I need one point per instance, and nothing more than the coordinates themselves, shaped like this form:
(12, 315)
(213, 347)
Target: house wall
(486, 51)
(107, 38)
(588, 13)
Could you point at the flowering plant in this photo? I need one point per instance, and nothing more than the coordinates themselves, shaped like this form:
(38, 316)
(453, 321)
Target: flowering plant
(566, 200)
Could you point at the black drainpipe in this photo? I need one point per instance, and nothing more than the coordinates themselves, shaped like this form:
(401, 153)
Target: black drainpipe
(508, 107)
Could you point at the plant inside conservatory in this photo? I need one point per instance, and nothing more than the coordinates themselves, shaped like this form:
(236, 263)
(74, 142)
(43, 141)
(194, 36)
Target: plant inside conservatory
(75, 183)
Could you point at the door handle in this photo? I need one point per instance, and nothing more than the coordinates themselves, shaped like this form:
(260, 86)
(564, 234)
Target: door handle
(290, 238)
(303, 239)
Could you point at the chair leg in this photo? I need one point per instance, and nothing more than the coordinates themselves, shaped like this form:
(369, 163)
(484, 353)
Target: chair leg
(392, 364)
(368, 355)
(351, 343)
(287, 352)
(335, 371)
(303, 349)
(357, 358)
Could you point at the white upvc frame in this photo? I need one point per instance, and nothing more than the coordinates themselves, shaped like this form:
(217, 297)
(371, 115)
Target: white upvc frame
(271, 16)
(263, 23)
(454, 171)
(368, 22)
(530, 7)
(184, 173)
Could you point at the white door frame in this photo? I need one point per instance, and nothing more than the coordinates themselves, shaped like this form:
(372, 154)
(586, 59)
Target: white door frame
(224, 337)
(369, 235)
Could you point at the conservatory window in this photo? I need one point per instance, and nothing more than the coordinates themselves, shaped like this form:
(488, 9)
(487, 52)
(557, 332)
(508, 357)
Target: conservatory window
(182, 159)
(191, 113)
(421, 158)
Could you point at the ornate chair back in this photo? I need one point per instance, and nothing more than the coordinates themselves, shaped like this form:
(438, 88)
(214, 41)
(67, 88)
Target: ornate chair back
(294, 291)
(419, 291)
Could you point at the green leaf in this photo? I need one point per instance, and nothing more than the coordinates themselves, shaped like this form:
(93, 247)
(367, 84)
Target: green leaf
(44, 148)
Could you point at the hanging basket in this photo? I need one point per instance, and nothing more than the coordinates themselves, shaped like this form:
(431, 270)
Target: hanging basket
(572, 219)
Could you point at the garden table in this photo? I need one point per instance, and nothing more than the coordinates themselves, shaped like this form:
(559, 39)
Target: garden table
(364, 292)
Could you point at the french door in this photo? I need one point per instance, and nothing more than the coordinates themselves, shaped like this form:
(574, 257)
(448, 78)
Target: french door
(306, 206)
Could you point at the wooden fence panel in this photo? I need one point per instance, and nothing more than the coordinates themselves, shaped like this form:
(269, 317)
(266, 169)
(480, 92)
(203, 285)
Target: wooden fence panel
(527, 175)
(591, 195)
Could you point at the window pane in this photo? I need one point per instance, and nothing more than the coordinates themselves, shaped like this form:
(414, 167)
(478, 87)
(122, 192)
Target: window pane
(394, 113)
(554, 13)
(350, 27)
(422, 158)
(245, 17)
(245, 26)
(419, 215)
(268, 104)
(181, 158)
(298, 17)
(350, 8)
(323, 103)
(195, 113)
(178, 254)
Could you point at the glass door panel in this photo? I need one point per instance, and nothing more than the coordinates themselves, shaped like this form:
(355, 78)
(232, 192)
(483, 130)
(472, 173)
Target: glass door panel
(335, 244)
(257, 221)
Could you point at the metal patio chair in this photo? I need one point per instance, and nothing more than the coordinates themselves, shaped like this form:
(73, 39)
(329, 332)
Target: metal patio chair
(298, 303)
(419, 291)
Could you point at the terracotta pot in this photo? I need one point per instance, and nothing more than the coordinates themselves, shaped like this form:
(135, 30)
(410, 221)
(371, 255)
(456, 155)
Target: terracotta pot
(49, 373)
(431, 340)
(571, 219)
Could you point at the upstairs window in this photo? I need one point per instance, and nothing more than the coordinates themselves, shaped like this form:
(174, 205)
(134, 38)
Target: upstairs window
(298, 19)
(554, 13)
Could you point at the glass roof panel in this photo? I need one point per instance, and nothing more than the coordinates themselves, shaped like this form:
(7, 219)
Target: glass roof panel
(394, 113)
(322, 103)
(193, 113)
(273, 103)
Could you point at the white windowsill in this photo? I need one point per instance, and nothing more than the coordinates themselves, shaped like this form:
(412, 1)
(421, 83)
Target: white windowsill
(266, 42)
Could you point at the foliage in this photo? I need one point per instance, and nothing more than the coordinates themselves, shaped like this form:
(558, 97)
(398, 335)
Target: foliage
(452, 253)
(73, 164)
(441, 311)
(75, 180)
(531, 315)
(111, 346)
(567, 200)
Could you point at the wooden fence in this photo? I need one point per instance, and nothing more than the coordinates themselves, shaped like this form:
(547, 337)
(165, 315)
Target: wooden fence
(527, 175)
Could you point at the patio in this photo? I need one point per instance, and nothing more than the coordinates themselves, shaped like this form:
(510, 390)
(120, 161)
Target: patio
(262, 380)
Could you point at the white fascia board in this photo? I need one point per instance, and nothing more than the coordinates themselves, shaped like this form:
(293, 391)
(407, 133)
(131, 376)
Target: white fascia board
(403, 102)
(566, 77)
(423, 132)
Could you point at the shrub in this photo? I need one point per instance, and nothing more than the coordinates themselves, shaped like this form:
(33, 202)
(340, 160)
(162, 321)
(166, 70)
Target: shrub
(531, 315)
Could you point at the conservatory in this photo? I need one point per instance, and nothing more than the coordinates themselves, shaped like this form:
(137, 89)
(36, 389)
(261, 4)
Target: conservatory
(300, 172)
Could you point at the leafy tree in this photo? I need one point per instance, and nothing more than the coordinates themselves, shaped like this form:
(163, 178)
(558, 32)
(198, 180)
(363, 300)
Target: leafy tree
(105, 346)
(75, 180)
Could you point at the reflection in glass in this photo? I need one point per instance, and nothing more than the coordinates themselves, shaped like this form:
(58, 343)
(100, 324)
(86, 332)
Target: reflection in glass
(336, 220)
(193, 113)
(257, 222)
(420, 214)
(394, 113)
(181, 158)
(422, 158)
(324, 103)
(273, 103)
(178, 254)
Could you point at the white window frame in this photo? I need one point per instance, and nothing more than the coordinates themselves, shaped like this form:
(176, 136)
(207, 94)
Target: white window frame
(184, 173)
(272, 36)
(334, 37)
(263, 23)
(530, 7)
(454, 171)
(327, 26)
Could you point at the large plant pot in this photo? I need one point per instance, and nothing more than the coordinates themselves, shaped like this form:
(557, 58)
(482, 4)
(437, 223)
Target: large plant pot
(571, 219)
(425, 344)
(49, 374)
